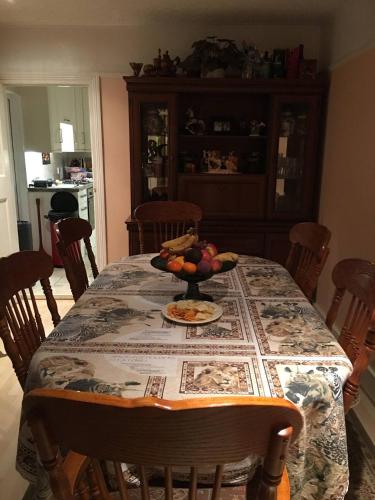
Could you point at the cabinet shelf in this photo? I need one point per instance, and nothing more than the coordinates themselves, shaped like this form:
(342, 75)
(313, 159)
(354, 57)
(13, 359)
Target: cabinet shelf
(221, 176)
(218, 136)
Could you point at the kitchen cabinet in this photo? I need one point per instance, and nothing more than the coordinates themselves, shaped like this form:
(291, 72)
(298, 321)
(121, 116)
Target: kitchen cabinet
(81, 100)
(36, 127)
(69, 105)
(265, 135)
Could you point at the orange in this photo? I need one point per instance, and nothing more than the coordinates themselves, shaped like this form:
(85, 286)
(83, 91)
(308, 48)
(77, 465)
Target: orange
(189, 267)
(174, 266)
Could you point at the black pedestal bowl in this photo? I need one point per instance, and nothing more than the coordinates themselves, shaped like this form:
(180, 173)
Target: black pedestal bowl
(192, 291)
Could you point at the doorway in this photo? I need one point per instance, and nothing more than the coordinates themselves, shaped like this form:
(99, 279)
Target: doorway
(51, 135)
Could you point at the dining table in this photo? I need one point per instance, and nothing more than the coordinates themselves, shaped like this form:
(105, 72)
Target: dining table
(269, 341)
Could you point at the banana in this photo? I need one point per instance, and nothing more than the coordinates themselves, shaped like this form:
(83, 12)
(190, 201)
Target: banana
(227, 256)
(177, 242)
(187, 243)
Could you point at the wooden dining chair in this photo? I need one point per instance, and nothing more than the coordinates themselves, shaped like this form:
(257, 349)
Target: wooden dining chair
(21, 327)
(70, 233)
(308, 254)
(167, 219)
(357, 336)
(151, 431)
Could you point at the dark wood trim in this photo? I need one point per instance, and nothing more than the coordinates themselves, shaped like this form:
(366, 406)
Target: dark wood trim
(226, 85)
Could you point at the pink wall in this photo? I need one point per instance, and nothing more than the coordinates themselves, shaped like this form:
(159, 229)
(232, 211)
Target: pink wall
(115, 123)
(347, 205)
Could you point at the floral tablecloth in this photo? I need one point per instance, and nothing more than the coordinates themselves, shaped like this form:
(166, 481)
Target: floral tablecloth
(270, 341)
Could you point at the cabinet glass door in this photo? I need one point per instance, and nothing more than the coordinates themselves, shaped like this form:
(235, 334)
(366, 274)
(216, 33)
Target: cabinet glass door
(154, 150)
(295, 154)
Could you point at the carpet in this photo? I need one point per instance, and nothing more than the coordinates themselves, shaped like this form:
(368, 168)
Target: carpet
(361, 462)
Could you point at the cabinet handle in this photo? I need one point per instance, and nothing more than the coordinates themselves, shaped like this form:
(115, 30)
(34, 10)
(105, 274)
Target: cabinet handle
(83, 138)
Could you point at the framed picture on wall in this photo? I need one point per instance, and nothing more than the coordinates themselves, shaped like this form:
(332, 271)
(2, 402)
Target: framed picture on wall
(46, 159)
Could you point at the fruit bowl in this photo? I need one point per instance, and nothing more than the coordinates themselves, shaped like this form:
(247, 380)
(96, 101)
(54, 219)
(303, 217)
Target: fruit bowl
(192, 291)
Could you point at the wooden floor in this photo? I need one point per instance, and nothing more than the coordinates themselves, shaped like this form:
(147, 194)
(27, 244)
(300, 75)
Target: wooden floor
(12, 485)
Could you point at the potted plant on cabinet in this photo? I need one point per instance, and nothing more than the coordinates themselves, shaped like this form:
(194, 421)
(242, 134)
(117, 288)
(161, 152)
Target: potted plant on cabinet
(214, 57)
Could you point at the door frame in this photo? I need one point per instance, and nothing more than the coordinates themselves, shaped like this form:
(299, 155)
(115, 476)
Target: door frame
(92, 81)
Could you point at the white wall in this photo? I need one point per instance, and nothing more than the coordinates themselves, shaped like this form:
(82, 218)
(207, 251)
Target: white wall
(59, 50)
(353, 29)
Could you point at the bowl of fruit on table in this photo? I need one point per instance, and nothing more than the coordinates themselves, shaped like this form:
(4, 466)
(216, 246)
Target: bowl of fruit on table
(193, 261)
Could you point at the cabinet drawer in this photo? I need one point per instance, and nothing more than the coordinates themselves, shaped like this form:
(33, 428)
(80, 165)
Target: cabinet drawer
(224, 196)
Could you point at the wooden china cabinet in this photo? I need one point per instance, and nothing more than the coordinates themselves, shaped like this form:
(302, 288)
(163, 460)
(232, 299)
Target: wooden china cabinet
(269, 131)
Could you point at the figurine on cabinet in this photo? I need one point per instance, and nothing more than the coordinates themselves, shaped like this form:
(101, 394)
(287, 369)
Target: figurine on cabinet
(257, 128)
(168, 67)
(153, 122)
(194, 125)
(231, 162)
(162, 66)
(214, 160)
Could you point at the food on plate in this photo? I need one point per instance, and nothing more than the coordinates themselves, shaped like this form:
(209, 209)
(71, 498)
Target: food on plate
(191, 310)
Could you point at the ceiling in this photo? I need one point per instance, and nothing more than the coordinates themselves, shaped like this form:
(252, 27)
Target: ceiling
(140, 12)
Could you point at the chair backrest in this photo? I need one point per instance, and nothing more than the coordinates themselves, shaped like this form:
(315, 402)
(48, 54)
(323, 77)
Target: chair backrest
(168, 220)
(357, 336)
(21, 327)
(70, 232)
(308, 254)
(152, 431)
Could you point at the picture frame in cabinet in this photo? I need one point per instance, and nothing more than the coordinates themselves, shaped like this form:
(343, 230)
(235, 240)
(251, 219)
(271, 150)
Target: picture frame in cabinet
(222, 125)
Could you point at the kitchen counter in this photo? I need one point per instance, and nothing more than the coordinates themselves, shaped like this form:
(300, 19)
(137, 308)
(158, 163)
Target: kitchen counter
(62, 187)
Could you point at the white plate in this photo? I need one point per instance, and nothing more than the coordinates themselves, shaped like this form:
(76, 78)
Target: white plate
(217, 312)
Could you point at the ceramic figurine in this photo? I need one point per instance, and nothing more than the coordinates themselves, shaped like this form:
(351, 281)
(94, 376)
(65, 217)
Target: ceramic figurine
(194, 125)
(231, 163)
(136, 67)
(149, 70)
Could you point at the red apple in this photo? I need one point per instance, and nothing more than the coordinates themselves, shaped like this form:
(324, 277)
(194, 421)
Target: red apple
(164, 254)
(216, 265)
(206, 255)
(211, 249)
(204, 266)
